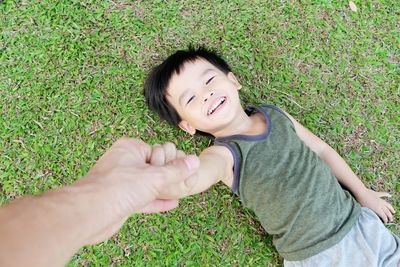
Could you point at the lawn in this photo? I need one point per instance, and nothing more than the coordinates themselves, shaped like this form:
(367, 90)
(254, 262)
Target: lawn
(71, 77)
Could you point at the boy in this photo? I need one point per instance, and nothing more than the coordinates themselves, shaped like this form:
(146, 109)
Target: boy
(284, 173)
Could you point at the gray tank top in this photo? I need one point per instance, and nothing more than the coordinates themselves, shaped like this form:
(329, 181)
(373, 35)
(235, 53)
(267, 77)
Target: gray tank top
(295, 195)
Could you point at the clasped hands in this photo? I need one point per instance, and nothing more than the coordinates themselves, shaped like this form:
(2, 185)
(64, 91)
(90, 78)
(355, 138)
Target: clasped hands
(135, 177)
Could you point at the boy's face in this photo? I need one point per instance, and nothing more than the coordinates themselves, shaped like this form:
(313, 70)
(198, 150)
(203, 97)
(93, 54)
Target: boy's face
(206, 98)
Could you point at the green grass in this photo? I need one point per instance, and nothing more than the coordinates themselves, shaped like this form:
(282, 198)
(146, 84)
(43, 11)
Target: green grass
(71, 77)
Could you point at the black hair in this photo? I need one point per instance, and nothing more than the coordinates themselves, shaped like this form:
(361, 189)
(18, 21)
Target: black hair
(155, 86)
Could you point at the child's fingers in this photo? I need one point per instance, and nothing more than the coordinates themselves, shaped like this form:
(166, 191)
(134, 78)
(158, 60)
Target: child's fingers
(381, 213)
(162, 154)
(157, 155)
(170, 151)
(180, 154)
(388, 214)
(390, 207)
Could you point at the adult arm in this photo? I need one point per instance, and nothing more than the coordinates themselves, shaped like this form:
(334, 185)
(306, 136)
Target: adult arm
(47, 230)
(366, 197)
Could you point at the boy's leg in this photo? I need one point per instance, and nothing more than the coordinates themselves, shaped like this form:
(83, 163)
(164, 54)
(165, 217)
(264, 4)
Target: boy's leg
(369, 243)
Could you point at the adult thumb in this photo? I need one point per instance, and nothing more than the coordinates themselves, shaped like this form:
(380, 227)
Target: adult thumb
(182, 168)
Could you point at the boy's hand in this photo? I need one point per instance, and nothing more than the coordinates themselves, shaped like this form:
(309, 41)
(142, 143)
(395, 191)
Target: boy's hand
(163, 154)
(374, 201)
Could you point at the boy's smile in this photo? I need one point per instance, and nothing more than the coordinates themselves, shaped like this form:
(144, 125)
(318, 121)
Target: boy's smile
(206, 98)
(217, 105)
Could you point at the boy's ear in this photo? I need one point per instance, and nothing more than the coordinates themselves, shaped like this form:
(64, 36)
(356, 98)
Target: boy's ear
(184, 125)
(233, 78)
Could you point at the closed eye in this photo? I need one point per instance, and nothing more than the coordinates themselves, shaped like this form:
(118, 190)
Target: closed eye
(209, 80)
(190, 99)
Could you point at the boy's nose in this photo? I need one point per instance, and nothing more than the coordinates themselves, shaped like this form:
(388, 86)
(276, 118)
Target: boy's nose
(208, 95)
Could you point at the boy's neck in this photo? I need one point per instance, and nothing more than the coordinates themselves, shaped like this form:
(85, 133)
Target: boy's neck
(244, 124)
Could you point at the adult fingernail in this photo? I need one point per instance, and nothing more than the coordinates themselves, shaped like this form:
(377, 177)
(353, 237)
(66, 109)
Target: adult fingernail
(192, 162)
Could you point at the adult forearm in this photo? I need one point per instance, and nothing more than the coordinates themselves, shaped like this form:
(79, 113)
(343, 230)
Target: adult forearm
(48, 229)
(342, 171)
(42, 231)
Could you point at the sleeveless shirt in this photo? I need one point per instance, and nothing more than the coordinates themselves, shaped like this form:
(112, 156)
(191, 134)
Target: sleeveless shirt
(295, 195)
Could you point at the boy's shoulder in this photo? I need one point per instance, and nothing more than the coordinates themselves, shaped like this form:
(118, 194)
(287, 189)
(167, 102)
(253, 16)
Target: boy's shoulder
(274, 109)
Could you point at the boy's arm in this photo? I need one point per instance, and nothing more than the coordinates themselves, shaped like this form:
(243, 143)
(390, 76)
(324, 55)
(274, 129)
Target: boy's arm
(216, 164)
(344, 174)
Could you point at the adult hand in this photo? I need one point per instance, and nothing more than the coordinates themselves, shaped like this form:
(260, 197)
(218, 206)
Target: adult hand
(165, 154)
(131, 176)
(47, 230)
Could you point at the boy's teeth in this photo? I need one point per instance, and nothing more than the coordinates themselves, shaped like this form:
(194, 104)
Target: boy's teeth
(216, 105)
